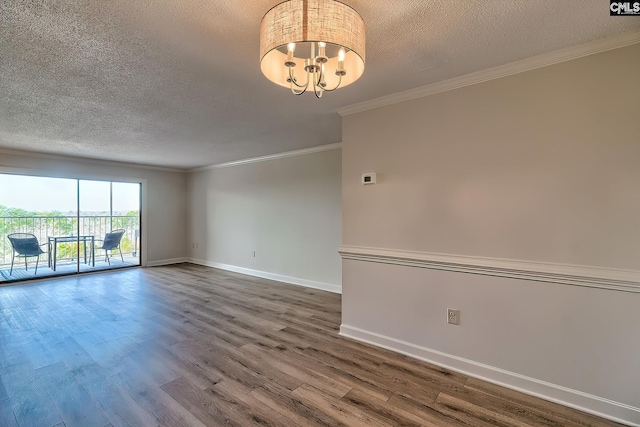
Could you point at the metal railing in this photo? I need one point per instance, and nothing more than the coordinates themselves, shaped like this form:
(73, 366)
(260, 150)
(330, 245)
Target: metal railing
(44, 226)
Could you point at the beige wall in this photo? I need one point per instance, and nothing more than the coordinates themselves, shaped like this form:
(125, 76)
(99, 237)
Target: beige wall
(541, 166)
(287, 210)
(164, 198)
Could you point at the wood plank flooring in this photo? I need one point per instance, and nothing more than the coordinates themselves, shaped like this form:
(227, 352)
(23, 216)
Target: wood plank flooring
(187, 345)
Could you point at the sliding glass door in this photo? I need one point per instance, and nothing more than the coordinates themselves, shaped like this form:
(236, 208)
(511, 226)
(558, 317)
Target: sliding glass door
(110, 218)
(32, 211)
(54, 226)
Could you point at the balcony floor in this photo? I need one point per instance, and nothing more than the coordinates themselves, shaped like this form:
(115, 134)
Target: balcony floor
(62, 267)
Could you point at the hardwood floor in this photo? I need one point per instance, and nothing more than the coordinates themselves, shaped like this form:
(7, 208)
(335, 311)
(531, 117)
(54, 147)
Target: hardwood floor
(187, 345)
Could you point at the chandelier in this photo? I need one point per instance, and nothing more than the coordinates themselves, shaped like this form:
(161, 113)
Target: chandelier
(312, 44)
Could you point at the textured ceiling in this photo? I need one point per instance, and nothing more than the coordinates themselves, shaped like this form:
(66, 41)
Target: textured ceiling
(177, 82)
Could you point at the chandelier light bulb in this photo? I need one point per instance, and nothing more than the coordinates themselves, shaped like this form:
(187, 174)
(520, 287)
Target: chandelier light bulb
(322, 54)
(290, 62)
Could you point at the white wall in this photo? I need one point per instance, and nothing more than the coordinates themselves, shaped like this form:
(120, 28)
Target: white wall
(164, 195)
(287, 210)
(541, 167)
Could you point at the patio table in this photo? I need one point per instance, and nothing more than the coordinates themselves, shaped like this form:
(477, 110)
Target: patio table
(55, 240)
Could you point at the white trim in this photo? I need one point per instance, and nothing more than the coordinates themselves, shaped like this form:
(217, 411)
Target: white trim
(539, 61)
(586, 402)
(336, 289)
(89, 160)
(576, 275)
(302, 152)
(168, 261)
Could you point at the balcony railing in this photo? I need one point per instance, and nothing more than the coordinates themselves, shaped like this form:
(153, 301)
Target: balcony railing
(44, 226)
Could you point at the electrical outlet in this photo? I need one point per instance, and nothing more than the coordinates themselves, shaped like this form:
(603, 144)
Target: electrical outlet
(453, 316)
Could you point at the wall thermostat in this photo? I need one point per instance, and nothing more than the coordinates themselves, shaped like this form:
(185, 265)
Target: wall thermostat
(368, 178)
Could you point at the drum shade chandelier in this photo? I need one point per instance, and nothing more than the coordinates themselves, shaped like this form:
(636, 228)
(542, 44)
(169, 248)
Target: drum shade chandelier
(312, 44)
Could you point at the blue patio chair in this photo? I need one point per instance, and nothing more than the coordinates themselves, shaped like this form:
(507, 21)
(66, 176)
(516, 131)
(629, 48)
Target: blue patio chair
(25, 245)
(111, 242)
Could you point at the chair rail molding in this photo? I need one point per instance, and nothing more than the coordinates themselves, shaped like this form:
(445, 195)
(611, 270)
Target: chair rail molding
(563, 274)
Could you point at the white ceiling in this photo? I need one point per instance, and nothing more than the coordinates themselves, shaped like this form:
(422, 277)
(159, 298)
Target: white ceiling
(177, 83)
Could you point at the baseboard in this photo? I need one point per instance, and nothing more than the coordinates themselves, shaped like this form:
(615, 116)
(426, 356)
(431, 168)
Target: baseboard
(165, 262)
(585, 402)
(336, 289)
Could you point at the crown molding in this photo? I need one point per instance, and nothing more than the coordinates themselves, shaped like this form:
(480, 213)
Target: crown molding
(286, 154)
(88, 160)
(562, 274)
(539, 61)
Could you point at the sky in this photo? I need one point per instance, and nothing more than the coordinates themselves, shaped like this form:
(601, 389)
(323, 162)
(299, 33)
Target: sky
(58, 194)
